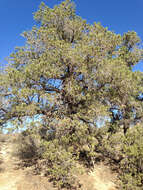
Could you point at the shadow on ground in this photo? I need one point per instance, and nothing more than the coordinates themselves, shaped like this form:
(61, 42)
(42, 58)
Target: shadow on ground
(1, 168)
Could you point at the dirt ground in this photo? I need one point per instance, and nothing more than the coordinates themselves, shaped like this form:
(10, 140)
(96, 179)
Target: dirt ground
(13, 178)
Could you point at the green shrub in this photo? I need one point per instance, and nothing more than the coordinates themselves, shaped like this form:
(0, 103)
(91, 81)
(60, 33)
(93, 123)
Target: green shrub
(60, 165)
(132, 164)
(111, 146)
(77, 138)
(71, 141)
(125, 151)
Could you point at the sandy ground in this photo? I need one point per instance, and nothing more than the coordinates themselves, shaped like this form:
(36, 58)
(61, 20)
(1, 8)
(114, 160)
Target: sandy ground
(103, 177)
(12, 178)
(9, 176)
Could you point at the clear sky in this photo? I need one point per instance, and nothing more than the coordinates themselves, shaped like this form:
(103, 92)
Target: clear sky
(119, 16)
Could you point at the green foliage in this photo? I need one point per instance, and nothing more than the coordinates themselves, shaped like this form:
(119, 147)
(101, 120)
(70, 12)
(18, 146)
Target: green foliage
(76, 137)
(69, 74)
(60, 165)
(111, 146)
(71, 68)
(132, 164)
(72, 141)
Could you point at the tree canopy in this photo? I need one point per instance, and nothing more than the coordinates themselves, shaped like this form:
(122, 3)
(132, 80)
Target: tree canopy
(71, 69)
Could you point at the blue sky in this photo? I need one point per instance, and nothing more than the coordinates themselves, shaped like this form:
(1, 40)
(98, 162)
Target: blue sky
(119, 16)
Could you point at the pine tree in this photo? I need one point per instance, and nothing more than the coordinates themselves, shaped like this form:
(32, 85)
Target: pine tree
(71, 69)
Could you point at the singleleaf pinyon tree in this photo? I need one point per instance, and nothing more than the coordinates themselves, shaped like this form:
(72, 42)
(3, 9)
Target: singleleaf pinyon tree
(70, 73)
(71, 69)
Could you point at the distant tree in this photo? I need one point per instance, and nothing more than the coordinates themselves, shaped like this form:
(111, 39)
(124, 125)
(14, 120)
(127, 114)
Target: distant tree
(71, 69)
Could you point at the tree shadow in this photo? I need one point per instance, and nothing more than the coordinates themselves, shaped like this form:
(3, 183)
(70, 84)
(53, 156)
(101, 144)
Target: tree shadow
(1, 168)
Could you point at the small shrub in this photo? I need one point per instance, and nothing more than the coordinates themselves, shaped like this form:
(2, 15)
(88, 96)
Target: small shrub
(60, 165)
(111, 146)
(72, 142)
(78, 139)
(132, 164)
